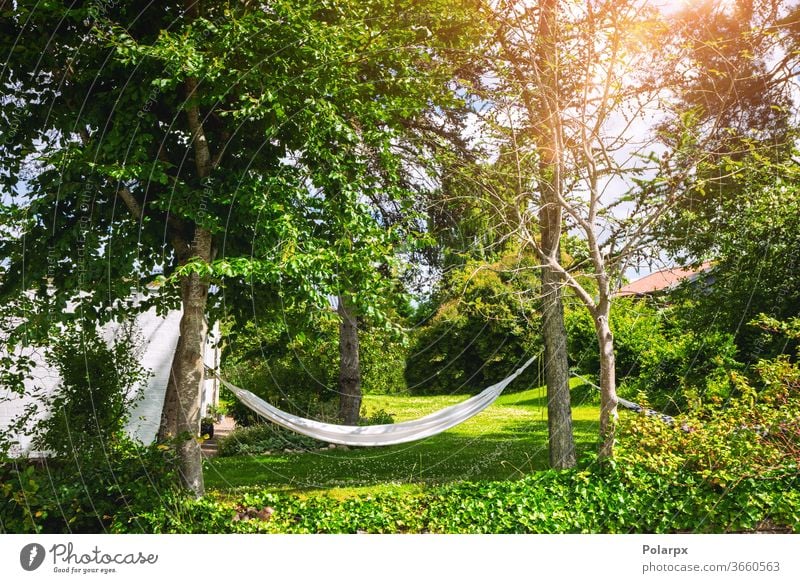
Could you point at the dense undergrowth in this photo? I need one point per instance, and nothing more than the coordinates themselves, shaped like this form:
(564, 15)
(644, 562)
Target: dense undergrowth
(615, 500)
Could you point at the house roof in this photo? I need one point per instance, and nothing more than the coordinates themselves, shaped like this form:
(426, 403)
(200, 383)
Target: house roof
(661, 280)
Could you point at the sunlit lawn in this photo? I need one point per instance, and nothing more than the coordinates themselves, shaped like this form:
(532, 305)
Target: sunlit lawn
(506, 441)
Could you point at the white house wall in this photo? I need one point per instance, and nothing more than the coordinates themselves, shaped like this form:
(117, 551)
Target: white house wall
(160, 337)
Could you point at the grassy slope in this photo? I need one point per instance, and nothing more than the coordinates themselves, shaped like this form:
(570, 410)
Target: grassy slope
(506, 441)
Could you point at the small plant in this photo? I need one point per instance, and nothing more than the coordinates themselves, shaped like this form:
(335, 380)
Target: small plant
(216, 412)
(379, 417)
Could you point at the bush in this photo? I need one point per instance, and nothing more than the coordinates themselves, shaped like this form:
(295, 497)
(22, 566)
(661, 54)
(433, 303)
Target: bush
(91, 492)
(685, 370)
(99, 381)
(752, 432)
(263, 438)
(378, 417)
(672, 368)
(485, 322)
(636, 325)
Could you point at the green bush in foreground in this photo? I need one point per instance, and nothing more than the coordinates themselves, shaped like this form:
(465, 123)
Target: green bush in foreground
(87, 492)
(616, 500)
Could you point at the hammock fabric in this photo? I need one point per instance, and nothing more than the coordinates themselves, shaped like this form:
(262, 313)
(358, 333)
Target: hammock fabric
(377, 435)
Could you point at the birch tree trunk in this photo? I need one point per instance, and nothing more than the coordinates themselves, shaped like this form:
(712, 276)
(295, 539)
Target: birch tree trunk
(349, 365)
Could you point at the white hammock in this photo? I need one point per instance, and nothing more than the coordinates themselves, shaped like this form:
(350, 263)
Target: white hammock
(375, 435)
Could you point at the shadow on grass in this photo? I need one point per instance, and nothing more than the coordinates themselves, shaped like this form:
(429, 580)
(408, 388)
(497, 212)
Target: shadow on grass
(519, 448)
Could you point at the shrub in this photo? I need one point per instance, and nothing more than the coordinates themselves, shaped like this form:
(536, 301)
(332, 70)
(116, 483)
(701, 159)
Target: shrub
(636, 325)
(262, 438)
(87, 493)
(486, 321)
(684, 370)
(377, 417)
(752, 432)
(99, 383)
(671, 367)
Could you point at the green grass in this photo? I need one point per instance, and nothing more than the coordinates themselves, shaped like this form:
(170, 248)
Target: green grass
(506, 441)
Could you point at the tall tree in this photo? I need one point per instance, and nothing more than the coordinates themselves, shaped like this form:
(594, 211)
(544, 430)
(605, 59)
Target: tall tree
(192, 139)
(531, 67)
(577, 83)
(550, 147)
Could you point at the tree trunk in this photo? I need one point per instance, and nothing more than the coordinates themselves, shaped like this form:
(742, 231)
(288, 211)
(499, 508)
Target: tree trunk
(349, 366)
(184, 390)
(180, 418)
(559, 411)
(168, 427)
(608, 382)
(544, 113)
(556, 365)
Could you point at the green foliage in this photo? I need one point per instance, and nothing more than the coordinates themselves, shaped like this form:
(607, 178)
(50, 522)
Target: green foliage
(737, 470)
(754, 432)
(377, 417)
(90, 492)
(263, 438)
(753, 236)
(672, 368)
(306, 111)
(98, 385)
(636, 326)
(614, 500)
(485, 321)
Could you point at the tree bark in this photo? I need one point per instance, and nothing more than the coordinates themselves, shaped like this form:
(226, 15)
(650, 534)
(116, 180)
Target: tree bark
(180, 418)
(559, 410)
(608, 382)
(349, 365)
